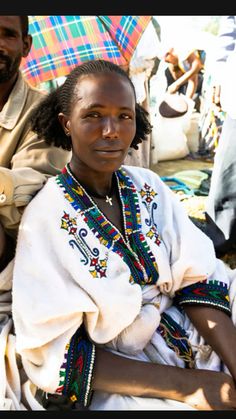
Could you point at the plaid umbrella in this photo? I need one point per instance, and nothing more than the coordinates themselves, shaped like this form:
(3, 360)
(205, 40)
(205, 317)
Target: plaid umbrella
(62, 42)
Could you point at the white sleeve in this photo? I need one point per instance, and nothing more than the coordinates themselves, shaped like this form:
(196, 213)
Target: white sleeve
(47, 303)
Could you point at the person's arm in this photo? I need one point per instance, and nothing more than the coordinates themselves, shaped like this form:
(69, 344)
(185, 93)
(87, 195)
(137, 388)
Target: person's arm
(201, 389)
(17, 187)
(31, 166)
(195, 67)
(190, 75)
(218, 330)
(89, 367)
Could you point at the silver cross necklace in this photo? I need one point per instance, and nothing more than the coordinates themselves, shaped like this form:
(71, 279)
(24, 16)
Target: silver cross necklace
(109, 200)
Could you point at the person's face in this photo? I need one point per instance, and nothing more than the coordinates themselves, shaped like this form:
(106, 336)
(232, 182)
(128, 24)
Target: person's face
(13, 46)
(102, 123)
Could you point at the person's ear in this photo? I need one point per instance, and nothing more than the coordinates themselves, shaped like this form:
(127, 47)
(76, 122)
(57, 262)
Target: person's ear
(65, 123)
(27, 43)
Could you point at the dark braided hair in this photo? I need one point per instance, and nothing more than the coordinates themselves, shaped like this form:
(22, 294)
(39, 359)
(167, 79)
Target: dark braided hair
(44, 118)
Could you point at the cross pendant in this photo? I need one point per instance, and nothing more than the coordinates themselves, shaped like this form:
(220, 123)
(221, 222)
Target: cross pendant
(108, 200)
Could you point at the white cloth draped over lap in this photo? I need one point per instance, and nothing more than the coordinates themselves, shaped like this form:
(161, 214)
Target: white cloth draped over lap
(54, 291)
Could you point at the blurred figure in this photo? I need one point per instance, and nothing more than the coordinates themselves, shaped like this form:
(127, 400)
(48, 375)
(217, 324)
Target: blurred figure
(221, 202)
(143, 65)
(183, 71)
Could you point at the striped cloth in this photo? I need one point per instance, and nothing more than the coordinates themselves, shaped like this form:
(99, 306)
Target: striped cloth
(62, 42)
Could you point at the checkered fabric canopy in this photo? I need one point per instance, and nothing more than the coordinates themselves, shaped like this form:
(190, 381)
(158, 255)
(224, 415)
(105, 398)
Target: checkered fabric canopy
(62, 42)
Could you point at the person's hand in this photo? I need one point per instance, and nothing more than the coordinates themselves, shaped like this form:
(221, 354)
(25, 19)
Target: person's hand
(215, 391)
(173, 88)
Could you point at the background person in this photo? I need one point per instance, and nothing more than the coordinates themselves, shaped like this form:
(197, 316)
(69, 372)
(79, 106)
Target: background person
(25, 164)
(221, 201)
(183, 73)
(25, 161)
(115, 290)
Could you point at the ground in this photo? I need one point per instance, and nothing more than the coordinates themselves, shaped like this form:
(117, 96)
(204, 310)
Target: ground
(168, 168)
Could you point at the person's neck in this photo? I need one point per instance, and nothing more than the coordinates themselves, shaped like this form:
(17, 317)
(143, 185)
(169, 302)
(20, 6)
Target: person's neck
(5, 90)
(97, 185)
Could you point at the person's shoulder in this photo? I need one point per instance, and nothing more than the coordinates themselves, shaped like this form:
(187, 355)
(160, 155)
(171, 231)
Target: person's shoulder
(44, 198)
(33, 91)
(141, 173)
(41, 211)
(137, 169)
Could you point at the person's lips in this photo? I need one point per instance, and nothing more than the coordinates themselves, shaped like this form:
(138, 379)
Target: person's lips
(109, 152)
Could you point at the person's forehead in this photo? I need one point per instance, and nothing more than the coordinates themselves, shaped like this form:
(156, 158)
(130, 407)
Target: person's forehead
(10, 22)
(101, 80)
(104, 88)
(103, 75)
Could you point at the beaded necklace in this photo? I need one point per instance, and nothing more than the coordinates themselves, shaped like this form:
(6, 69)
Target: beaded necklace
(132, 247)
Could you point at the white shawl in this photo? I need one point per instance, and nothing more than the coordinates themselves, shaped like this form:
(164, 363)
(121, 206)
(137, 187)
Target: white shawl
(54, 290)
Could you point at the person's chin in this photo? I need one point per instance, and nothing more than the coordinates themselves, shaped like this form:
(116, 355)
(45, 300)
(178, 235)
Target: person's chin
(108, 165)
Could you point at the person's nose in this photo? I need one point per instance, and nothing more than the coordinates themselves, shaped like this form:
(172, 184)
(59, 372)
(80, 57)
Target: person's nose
(110, 128)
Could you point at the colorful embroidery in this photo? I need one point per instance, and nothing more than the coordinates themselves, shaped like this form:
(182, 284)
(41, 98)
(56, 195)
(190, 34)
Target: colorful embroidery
(176, 338)
(147, 194)
(133, 248)
(68, 223)
(211, 293)
(132, 222)
(77, 369)
(154, 235)
(98, 267)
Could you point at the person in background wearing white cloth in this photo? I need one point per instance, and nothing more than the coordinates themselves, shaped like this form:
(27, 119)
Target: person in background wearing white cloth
(221, 201)
(119, 302)
(143, 64)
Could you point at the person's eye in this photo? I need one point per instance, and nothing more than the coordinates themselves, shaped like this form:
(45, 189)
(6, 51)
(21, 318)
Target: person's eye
(125, 116)
(10, 34)
(93, 115)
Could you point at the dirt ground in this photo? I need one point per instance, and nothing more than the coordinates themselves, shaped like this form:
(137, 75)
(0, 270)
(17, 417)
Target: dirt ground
(168, 168)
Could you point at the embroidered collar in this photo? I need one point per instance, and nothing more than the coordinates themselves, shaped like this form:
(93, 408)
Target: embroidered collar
(133, 248)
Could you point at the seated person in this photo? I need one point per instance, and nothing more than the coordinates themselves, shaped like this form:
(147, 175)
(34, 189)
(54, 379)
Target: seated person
(119, 302)
(25, 161)
(183, 71)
